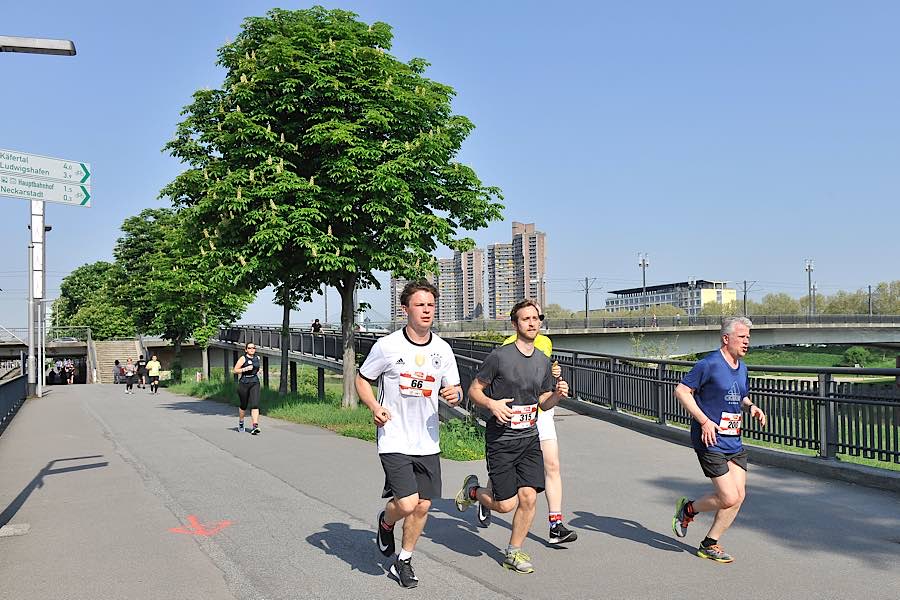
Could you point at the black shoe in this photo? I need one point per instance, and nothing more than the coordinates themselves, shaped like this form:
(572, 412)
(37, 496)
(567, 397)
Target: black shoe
(384, 537)
(254, 431)
(560, 534)
(484, 515)
(403, 571)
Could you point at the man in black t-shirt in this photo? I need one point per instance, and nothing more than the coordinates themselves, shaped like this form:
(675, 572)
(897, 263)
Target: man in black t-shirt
(513, 382)
(316, 326)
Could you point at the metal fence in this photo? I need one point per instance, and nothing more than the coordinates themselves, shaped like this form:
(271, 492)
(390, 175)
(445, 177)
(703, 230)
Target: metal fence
(12, 394)
(808, 409)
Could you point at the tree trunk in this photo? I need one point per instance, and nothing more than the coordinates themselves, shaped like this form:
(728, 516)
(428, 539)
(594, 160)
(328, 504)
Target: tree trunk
(176, 366)
(348, 314)
(285, 340)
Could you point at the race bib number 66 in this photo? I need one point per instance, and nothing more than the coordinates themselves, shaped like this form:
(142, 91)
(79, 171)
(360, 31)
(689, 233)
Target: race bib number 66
(416, 384)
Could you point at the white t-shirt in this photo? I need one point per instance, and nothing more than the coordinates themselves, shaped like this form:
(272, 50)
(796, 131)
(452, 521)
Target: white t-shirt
(409, 381)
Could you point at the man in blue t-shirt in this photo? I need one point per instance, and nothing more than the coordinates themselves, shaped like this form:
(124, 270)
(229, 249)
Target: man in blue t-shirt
(714, 393)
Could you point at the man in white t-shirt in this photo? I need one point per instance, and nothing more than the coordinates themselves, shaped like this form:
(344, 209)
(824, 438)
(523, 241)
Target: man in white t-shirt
(412, 366)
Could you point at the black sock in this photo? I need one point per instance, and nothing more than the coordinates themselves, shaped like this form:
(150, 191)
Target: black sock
(708, 541)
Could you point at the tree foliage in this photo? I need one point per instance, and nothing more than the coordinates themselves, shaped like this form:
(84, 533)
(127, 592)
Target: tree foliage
(88, 297)
(322, 159)
(164, 284)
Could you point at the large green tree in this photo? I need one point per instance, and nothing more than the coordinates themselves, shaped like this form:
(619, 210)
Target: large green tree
(164, 284)
(323, 158)
(88, 297)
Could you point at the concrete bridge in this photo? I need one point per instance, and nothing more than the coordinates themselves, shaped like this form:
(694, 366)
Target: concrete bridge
(677, 337)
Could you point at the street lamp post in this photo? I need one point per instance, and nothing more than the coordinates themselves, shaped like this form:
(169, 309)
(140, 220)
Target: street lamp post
(809, 268)
(29, 45)
(643, 263)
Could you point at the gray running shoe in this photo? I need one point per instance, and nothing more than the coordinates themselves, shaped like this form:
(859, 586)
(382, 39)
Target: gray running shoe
(464, 495)
(681, 521)
(715, 553)
(518, 561)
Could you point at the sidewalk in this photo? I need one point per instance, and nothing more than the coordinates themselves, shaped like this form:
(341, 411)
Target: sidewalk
(102, 478)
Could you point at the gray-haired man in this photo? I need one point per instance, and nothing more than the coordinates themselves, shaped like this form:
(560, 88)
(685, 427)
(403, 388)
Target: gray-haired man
(714, 392)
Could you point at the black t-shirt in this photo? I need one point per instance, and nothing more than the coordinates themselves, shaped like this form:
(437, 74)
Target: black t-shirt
(316, 327)
(508, 373)
(141, 365)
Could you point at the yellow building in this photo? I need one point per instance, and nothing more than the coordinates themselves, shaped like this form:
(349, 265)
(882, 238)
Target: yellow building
(690, 296)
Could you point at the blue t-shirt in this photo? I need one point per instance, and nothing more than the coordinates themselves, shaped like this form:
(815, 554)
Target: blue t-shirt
(719, 391)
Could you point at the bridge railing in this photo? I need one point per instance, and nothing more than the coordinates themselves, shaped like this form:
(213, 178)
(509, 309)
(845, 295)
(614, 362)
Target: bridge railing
(12, 395)
(807, 408)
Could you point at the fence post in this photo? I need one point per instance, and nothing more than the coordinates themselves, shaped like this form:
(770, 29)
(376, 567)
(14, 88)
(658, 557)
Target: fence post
(614, 367)
(573, 385)
(660, 400)
(265, 370)
(827, 422)
(321, 384)
(293, 370)
(607, 384)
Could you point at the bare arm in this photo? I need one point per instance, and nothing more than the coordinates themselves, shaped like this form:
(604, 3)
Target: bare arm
(548, 400)
(685, 396)
(380, 415)
(239, 366)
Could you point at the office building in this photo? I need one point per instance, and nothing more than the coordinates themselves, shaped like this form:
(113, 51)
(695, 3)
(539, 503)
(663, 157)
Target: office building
(689, 296)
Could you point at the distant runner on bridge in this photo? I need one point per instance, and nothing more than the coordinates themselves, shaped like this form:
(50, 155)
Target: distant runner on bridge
(513, 382)
(412, 366)
(248, 367)
(714, 392)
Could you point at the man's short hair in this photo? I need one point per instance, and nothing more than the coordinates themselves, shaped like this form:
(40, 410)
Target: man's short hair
(728, 324)
(513, 314)
(412, 287)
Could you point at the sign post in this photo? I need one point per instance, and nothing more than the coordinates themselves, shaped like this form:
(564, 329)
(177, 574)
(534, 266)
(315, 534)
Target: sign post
(41, 179)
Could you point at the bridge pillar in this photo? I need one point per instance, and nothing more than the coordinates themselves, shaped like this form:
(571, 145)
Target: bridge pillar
(226, 365)
(293, 370)
(234, 359)
(321, 384)
(827, 422)
(265, 370)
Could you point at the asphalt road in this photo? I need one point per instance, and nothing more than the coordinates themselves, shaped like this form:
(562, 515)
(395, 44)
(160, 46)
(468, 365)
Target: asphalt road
(100, 480)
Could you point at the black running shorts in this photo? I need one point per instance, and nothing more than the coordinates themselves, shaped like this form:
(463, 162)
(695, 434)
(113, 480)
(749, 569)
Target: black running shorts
(405, 475)
(248, 393)
(154, 378)
(513, 464)
(715, 464)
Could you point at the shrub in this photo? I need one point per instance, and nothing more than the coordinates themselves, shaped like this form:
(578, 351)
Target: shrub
(857, 355)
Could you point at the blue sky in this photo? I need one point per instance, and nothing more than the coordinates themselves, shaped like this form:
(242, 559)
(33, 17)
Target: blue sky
(728, 140)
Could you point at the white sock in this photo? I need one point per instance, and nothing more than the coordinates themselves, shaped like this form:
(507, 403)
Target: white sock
(404, 554)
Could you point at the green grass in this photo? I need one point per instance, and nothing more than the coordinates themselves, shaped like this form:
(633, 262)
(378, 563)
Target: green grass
(813, 356)
(459, 440)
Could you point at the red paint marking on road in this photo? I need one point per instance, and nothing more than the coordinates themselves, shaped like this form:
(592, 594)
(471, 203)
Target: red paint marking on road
(198, 528)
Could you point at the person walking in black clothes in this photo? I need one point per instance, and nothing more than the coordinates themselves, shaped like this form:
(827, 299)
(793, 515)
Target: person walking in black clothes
(142, 372)
(247, 367)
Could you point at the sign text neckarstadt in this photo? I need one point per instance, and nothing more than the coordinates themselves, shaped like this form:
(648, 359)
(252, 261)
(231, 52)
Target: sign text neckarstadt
(28, 188)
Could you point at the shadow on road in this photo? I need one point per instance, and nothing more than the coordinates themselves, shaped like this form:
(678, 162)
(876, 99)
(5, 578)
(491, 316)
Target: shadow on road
(38, 482)
(356, 547)
(203, 407)
(807, 519)
(627, 529)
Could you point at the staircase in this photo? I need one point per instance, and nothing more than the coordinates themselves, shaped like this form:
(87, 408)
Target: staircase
(111, 351)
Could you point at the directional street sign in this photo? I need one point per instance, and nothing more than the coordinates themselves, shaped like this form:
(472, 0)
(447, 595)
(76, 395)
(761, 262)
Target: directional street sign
(13, 162)
(29, 188)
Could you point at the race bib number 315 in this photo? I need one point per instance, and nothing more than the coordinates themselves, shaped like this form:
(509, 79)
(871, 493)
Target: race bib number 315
(523, 416)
